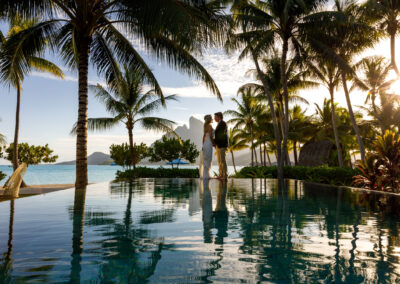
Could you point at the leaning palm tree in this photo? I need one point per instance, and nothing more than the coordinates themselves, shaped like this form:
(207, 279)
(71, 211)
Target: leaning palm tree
(375, 70)
(19, 65)
(128, 103)
(236, 143)
(99, 32)
(245, 115)
(387, 15)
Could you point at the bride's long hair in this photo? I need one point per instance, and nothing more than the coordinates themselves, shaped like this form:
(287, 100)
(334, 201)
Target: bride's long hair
(207, 122)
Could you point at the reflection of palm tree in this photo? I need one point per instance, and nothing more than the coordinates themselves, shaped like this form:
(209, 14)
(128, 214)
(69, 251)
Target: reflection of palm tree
(6, 262)
(77, 235)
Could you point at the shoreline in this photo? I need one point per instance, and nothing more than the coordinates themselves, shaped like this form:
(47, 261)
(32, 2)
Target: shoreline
(40, 189)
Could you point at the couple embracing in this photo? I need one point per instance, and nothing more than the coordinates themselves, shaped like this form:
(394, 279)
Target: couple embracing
(217, 138)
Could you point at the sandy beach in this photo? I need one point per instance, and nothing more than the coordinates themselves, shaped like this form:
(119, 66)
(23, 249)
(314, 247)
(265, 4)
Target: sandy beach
(40, 189)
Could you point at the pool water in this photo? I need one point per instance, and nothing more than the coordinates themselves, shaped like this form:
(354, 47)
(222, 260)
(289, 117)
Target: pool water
(189, 231)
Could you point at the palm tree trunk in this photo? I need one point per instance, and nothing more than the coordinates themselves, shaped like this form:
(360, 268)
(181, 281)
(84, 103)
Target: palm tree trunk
(252, 146)
(261, 156)
(295, 152)
(233, 162)
(393, 52)
(16, 131)
(352, 118)
(82, 123)
(269, 159)
(334, 126)
(255, 155)
(265, 155)
(131, 148)
(272, 108)
(286, 99)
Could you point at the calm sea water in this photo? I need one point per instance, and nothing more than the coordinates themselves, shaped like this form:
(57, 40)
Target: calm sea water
(62, 174)
(187, 231)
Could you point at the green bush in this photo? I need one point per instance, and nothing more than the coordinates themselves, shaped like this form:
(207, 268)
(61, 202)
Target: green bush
(327, 175)
(2, 176)
(143, 172)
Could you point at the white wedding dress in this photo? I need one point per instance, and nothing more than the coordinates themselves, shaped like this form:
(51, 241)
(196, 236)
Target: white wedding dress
(206, 158)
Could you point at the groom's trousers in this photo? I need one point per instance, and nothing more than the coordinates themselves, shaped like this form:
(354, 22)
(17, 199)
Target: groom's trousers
(223, 168)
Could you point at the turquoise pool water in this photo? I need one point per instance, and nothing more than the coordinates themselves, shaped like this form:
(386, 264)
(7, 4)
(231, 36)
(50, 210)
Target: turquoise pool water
(186, 231)
(65, 174)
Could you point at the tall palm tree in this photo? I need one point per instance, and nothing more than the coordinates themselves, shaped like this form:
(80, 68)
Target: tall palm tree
(3, 140)
(245, 115)
(387, 14)
(329, 75)
(129, 104)
(338, 36)
(251, 21)
(17, 65)
(94, 31)
(236, 143)
(375, 71)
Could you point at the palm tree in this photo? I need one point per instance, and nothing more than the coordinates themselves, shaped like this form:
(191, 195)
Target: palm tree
(17, 65)
(338, 36)
(375, 71)
(245, 115)
(300, 128)
(236, 143)
(129, 104)
(251, 20)
(387, 14)
(296, 80)
(3, 140)
(94, 31)
(323, 127)
(329, 76)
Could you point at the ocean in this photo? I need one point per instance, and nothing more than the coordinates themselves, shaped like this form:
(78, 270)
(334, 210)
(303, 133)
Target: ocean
(65, 174)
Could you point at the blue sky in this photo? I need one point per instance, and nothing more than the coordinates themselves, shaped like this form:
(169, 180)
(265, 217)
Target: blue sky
(49, 105)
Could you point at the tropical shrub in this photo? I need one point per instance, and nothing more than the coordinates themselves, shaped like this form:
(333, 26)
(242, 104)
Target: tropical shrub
(122, 156)
(381, 168)
(31, 154)
(327, 175)
(169, 149)
(143, 172)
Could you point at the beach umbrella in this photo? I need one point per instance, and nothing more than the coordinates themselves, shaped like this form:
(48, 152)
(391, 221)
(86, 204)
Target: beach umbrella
(177, 162)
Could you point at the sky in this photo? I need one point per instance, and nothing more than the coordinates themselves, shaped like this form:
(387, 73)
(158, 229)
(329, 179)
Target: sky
(49, 106)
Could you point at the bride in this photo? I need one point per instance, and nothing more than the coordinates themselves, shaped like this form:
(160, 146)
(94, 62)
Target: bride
(207, 150)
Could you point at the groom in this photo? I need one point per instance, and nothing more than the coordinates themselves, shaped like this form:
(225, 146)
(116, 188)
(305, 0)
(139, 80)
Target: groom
(221, 143)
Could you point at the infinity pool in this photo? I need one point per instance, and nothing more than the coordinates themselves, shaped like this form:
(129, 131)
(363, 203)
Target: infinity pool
(187, 231)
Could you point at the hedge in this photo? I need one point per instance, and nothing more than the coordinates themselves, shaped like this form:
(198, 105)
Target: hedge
(143, 172)
(327, 175)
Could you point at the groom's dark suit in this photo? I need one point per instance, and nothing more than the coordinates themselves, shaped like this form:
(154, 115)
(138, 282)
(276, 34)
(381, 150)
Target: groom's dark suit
(221, 142)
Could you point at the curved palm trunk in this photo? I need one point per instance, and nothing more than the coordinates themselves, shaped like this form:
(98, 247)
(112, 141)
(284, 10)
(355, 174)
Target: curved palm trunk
(393, 52)
(274, 120)
(233, 161)
(255, 154)
(295, 153)
(286, 99)
(82, 123)
(16, 131)
(334, 126)
(131, 148)
(352, 118)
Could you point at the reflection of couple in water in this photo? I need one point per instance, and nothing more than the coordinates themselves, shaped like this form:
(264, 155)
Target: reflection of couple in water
(217, 138)
(218, 218)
